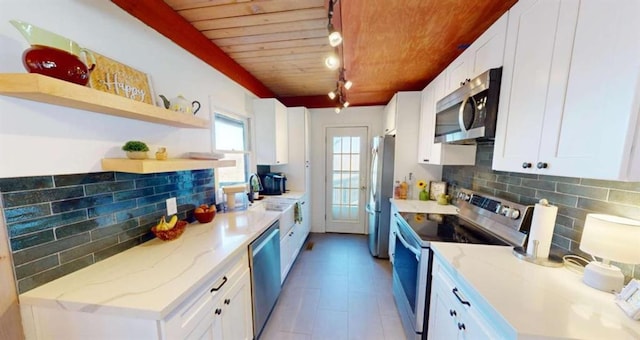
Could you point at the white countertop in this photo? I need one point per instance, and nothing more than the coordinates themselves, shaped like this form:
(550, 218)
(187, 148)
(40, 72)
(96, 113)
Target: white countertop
(289, 195)
(149, 280)
(429, 207)
(538, 302)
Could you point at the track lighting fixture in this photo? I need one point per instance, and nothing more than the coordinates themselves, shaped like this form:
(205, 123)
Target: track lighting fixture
(335, 37)
(339, 94)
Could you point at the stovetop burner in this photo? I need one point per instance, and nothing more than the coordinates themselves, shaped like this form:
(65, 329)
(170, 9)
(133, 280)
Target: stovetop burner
(482, 219)
(429, 227)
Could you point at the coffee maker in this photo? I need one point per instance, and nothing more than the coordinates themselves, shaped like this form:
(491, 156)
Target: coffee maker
(273, 183)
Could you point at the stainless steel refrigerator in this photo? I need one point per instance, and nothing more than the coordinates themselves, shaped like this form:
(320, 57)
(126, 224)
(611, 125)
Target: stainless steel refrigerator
(380, 191)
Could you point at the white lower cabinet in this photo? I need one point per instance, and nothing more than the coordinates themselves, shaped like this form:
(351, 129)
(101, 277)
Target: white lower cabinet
(230, 317)
(218, 310)
(292, 237)
(455, 312)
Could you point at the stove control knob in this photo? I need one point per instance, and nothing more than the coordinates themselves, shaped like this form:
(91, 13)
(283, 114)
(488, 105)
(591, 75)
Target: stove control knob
(514, 214)
(505, 210)
(498, 208)
(466, 197)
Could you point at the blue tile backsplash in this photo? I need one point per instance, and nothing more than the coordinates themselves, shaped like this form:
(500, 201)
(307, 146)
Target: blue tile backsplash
(575, 197)
(59, 224)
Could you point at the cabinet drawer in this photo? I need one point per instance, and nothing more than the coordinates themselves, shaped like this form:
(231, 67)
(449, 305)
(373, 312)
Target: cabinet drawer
(200, 304)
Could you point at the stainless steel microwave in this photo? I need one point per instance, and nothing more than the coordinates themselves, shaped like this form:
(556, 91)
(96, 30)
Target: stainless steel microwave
(469, 112)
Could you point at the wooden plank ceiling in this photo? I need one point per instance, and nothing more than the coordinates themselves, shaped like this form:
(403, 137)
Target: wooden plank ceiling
(276, 48)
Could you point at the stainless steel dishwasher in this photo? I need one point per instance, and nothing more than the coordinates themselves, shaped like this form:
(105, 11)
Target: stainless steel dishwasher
(264, 261)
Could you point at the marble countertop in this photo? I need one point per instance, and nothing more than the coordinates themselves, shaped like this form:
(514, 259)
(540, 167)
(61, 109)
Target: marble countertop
(289, 195)
(538, 302)
(151, 279)
(429, 207)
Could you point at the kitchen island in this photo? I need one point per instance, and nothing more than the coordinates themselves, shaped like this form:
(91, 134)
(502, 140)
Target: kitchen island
(152, 282)
(513, 299)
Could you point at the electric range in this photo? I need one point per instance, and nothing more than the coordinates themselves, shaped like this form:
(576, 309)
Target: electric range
(481, 219)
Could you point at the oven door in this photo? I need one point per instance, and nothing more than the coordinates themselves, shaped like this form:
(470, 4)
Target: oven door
(410, 276)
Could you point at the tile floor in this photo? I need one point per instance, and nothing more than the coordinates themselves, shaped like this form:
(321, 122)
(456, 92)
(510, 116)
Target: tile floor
(336, 290)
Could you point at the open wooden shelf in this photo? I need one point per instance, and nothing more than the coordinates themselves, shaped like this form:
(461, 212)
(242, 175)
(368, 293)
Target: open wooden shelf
(49, 90)
(149, 166)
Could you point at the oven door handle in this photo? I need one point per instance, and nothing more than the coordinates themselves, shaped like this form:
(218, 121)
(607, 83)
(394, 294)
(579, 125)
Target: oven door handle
(415, 251)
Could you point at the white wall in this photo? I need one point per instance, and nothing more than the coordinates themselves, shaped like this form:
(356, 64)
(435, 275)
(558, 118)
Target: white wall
(321, 119)
(43, 139)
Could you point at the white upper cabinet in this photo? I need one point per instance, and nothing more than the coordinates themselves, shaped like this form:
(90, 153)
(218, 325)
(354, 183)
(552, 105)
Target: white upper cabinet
(390, 116)
(298, 167)
(569, 103)
(272, 139)
(485, 53)
(438, 153)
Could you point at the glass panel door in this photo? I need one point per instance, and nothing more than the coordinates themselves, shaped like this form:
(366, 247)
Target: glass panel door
(346, 179)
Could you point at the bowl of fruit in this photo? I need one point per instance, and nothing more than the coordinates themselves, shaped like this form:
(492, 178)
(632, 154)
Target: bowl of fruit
(205, 213)
(171, 230)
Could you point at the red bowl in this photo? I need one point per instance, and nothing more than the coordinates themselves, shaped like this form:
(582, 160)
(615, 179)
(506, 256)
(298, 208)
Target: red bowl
(55, 63)
(204, 217)
(171, 234)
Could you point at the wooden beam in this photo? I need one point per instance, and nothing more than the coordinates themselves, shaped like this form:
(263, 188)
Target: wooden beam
(159, 16)
(265, 29)
(187, 4)
(261, 19)
(279, 44)
(272, 37)
(251, 8)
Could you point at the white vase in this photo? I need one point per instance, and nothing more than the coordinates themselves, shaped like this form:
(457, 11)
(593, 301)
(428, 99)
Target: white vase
(137, 154)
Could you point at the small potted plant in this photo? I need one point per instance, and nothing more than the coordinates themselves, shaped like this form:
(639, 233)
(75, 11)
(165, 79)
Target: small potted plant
(136, 149)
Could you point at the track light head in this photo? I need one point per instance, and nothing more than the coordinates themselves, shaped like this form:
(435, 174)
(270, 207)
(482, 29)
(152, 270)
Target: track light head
(335, 38)
(332, 62)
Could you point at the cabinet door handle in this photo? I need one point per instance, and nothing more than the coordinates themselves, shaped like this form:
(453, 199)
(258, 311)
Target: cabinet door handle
(224, 280)
(542, 165)
(227, 301)
(461, 326)
(526, 165)
(218, 311)
(452, 312)
(461, 83)
(464, 302)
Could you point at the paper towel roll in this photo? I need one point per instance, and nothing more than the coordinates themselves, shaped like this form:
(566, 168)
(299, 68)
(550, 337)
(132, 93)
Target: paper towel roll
(542, 225)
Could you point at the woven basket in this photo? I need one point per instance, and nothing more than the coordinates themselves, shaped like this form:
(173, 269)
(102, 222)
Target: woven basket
(171, 234)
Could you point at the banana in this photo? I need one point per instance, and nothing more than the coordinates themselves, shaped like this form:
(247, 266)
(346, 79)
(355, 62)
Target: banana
(162, 225)
(172, 222)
